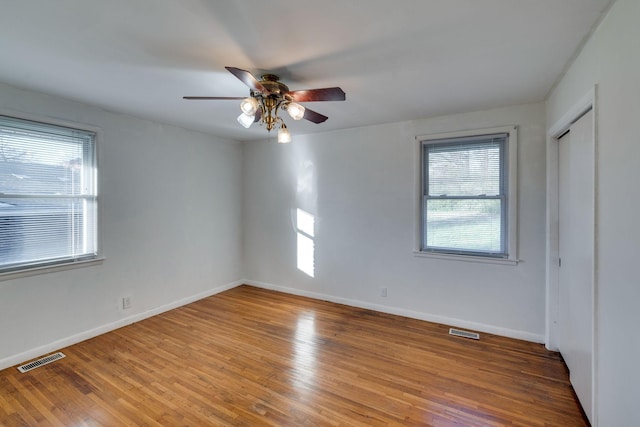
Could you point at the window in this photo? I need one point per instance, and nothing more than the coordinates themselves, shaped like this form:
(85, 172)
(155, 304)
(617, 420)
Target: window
(466, 199)
(48, 197)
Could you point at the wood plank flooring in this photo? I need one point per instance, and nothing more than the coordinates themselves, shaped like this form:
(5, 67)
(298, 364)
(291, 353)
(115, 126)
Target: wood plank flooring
(254, 357)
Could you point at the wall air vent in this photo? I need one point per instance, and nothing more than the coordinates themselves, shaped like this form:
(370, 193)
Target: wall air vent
(40, 362)
(464, 334)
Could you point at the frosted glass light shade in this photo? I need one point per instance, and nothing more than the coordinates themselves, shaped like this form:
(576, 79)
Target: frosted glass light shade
(295, 110)
(284, 137)
(249, 106)
(246, 120)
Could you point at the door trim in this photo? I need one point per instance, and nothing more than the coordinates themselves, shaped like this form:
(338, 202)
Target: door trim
(588, 101)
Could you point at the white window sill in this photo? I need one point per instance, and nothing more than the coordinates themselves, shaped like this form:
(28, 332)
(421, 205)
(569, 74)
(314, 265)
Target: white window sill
(33, 271)
(466, 258)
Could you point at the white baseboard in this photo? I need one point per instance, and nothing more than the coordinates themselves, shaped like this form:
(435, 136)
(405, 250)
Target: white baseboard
(451, 321)
(74, 339)
(82, 336)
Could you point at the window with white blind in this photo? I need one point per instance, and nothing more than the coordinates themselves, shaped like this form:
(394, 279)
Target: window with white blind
(48, 197)
(467, 206)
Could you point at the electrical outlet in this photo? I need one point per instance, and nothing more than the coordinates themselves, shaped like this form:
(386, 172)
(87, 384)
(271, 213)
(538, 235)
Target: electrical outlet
(126, 303)
(383, 292)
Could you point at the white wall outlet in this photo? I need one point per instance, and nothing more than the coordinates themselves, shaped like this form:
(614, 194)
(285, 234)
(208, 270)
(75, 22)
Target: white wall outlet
(126, 303)
(383, 292)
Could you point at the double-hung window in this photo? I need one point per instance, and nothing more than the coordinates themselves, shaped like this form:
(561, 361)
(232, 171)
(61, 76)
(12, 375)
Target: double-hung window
(467, 205)
(48, 194)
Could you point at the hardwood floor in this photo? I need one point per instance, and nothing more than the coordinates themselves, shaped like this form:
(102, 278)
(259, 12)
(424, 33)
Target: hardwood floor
(255, 357)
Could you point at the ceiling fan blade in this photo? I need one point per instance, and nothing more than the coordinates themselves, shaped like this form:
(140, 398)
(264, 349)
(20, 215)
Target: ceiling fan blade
(311, 95)
(247, 78)
(223, 98)
(258, 116)
(314, 117)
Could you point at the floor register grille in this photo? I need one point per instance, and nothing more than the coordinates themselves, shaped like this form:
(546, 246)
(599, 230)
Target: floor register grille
(40, 362)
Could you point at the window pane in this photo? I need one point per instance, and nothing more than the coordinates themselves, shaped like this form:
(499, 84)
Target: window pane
(38, 230)
(464, 225)
(36, 162)
(464, 169)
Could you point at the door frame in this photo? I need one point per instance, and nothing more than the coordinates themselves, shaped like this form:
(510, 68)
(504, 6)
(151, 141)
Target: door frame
(588, 101)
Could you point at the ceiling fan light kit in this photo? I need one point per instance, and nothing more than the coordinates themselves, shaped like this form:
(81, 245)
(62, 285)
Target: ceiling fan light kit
(268, 95)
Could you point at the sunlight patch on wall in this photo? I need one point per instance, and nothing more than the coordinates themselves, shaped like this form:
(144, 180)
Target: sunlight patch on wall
(305, 225)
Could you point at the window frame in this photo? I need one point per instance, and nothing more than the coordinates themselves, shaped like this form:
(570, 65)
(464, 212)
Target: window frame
(66, 263)
(509, 170)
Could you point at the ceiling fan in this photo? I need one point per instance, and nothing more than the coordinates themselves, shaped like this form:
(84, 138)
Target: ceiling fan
(268, 95)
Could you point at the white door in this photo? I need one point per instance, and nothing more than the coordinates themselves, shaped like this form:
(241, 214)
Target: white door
(576, 248)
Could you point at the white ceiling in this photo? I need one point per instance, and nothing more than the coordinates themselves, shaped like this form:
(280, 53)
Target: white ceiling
(396, 60)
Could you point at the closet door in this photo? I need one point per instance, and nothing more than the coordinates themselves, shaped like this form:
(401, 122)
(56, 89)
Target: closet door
(576, 248)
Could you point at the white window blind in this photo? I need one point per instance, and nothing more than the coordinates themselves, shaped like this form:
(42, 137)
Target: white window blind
(465, 196)
(48, 197)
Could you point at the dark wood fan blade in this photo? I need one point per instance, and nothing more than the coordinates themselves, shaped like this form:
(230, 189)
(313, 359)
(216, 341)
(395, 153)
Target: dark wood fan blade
(213, 97)
(247, 78)
(258, 116)
(314, 117)
(311, 95)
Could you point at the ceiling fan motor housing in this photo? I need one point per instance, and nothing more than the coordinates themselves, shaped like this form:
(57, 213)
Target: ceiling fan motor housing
(273, 85)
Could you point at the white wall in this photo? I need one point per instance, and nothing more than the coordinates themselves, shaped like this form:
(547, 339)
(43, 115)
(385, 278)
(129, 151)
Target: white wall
(360, 186)
(611, 59)
(171, 230)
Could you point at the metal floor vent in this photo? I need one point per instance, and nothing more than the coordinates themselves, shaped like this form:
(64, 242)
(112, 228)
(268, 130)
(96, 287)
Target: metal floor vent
(40, 362)
(464, 334)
